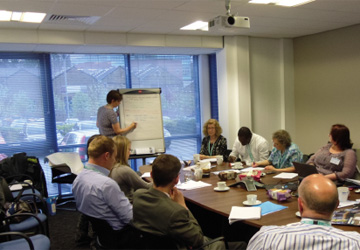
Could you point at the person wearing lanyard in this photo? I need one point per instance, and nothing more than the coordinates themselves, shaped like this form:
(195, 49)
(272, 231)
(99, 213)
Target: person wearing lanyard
(249, 147)
(213, 144)
(99, 196)
(282, 155)
(318, 198)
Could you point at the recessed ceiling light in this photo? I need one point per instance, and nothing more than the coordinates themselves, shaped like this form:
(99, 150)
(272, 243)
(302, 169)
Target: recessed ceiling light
(32, 17)
(29, 17)
(286, 3)
(198, 25)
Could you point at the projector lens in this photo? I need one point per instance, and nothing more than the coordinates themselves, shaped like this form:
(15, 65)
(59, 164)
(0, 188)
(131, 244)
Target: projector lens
(231, 20)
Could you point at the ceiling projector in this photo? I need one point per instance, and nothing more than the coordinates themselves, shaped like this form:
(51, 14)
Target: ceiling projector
(229, 21)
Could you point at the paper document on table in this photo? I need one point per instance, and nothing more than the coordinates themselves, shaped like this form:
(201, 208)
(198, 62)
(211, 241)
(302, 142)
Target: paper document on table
(286, 175)
(192, 185)
(244, 213)
(217, 172)
(347, 203)
(208, 160)
(146, 175)
(251, 168)
(269, 207)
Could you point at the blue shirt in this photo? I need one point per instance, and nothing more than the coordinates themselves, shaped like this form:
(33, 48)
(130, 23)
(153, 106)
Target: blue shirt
(99, 196)
(285, 160)
(304, 236)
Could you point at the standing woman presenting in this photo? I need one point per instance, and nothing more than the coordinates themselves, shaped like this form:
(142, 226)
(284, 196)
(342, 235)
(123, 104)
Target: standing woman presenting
(213, 143)
(107, 120)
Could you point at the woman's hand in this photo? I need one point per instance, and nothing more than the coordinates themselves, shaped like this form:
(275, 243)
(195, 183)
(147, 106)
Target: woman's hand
(270, 167)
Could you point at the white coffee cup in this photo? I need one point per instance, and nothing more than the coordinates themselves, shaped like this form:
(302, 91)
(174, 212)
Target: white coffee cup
(221, 185)
(196, 158)
(251, 199)
(343, 193)
(219, 160)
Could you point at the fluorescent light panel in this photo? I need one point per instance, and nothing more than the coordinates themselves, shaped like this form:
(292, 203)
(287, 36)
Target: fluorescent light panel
(198, 25)
(286, 3)
(29, 17)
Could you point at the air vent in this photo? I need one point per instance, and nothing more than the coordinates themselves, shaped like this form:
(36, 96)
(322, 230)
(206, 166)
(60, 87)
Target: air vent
(63, 19)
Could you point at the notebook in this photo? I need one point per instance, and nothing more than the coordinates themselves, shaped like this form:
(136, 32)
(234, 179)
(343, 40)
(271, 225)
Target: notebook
(304, 169)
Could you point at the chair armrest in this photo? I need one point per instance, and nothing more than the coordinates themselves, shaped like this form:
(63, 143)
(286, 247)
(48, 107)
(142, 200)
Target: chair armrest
(41, 226)
(221, 238)
(22, 235)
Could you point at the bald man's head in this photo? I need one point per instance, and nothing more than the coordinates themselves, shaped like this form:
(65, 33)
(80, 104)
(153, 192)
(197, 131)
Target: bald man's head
(319, 194)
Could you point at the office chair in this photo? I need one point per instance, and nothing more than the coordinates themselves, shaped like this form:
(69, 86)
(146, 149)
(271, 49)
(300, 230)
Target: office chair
(65, 166)
(22, 241)
(147, 241)
(32, 220)
(104, 233)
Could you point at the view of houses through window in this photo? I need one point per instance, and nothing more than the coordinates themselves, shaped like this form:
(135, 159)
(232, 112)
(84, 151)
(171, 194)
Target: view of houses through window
(46, 109)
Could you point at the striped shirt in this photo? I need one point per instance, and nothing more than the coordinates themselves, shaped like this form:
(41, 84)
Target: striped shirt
(304, 236)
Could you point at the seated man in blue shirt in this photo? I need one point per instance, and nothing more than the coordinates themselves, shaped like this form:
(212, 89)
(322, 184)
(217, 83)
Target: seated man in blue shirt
(318, 198)
(99, 196)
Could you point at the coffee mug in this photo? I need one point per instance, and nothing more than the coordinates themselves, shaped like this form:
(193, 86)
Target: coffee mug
(219, 160)
(251, 199)
(343, 193)
(221, 185)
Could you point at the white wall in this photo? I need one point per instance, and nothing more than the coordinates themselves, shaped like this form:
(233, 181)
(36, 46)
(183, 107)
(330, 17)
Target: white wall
(327, 84)
(256, 87)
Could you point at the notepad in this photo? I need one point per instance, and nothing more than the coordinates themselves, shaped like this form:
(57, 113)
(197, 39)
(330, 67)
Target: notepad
(244, 213)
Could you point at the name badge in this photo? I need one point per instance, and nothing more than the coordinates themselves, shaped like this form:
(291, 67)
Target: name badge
(335, 161)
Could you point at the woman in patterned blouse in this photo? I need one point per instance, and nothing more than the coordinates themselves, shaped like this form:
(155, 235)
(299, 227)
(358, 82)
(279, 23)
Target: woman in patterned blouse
(213, 143)
(282, 155)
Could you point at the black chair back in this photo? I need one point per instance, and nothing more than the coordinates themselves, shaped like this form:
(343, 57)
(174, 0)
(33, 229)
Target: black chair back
(149, 241)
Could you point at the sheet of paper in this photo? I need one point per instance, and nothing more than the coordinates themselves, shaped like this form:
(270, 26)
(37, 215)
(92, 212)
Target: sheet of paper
(286, 175)
(244, 213)
(146, 175)
(347, 203)
(269, 207)
(251, 168)
(71, 159)
(208, 160)
(192, 185)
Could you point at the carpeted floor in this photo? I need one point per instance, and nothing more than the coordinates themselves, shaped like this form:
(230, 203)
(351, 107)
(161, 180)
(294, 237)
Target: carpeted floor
(63, 229)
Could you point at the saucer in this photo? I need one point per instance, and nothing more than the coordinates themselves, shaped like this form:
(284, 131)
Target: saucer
(221, 190)
(246, 203)
(298, 214)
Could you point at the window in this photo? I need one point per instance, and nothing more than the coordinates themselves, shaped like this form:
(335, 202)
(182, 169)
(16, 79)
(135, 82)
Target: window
(44, 110)
(26, 123)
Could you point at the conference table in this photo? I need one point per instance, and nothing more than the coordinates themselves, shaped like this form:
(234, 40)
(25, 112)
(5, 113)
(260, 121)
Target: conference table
(220, 203)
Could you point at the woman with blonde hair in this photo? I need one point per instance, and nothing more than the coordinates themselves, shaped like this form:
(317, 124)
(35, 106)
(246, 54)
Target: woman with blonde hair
(213, 143)
(128, 180)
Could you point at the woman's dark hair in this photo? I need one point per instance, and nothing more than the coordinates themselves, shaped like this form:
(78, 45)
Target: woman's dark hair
(341, 135)
(113, 95)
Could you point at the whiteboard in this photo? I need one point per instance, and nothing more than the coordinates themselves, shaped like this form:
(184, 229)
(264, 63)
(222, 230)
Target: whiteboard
(143, 106)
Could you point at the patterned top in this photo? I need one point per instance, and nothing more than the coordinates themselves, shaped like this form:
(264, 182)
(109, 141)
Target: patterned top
(105, 119)
(285, 160)
(304, 236)
(218, 148)
(342, 164)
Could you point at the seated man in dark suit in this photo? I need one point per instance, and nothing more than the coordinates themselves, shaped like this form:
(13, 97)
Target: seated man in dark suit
(99, 196)
(161, 210)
